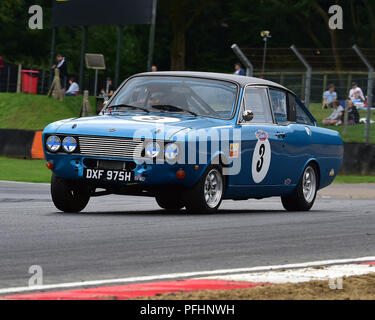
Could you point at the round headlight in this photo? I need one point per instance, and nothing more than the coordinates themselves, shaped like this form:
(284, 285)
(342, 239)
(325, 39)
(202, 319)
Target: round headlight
(152, 149)
(171, 151)
(69, 144)
(53, 143)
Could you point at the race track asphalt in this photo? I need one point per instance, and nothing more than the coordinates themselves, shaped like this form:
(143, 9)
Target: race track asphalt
(118, 236)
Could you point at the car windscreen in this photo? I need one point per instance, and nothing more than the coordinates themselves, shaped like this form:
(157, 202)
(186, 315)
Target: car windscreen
(203, 97)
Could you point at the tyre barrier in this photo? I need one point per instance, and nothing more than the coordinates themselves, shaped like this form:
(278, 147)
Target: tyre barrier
(25, 144)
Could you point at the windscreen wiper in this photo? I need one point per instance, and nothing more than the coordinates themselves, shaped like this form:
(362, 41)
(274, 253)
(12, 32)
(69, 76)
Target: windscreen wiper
(168, 107)
(129, 107)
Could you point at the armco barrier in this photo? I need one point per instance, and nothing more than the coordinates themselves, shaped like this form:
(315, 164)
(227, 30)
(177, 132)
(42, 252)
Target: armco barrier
(359, 158)
(21, 143)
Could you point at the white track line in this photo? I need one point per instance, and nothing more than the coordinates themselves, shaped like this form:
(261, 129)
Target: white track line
(300, 274)
(24, 182)
(183, 275)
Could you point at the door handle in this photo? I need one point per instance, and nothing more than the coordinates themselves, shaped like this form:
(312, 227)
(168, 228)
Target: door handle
(280, 134)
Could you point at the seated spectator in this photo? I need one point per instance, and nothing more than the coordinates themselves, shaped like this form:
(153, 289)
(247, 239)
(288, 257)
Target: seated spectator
(329, 96)
(335, 118)
(73, 88)
(355, 90)
(357, 98)
(353, 115)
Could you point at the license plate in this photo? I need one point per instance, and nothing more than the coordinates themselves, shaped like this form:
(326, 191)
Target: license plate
(109, 175)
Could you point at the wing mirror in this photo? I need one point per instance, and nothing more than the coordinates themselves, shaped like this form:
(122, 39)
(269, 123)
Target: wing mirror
(247, 115)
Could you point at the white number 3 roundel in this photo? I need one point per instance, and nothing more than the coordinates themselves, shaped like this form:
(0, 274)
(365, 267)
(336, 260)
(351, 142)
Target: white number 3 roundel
(261, 160)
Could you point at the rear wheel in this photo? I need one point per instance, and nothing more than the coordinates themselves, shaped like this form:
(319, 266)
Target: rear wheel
(304, 196)
(69, 195)
(207, 194)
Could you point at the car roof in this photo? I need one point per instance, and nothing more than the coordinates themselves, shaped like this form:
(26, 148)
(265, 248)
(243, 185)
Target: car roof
(241, 80)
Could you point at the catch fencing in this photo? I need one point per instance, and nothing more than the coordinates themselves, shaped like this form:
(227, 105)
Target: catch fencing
(295, 81)
(9, 76)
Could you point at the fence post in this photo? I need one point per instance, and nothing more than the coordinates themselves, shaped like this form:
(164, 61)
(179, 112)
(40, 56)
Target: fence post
(370, 82)
(348, 84)
(19, 78)
(303, 87)
(86, 107)
(346, 114)
(308, 74)
(240, 55)
(325, 78)
(42, 84)
(8, 78)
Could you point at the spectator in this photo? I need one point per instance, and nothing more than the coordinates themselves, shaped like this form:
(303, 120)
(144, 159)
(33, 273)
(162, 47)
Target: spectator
(329, 96)
(62, 66)
(335, 118)
(238, 70)
(353, 115)
(154, 68)
(73, 88)
(355, 90)
(110, 88)
(357, 99)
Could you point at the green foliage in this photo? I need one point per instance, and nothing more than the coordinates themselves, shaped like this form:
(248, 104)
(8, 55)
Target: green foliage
(215, 25)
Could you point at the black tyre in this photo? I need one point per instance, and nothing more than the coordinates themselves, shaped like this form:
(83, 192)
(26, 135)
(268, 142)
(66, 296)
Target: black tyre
(304, 195)
(170, 201)
(69, 195)
(207, 194)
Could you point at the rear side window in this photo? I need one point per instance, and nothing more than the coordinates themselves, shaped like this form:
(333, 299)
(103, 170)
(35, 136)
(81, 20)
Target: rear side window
(302, 117)
(279, 105)
(256, 100)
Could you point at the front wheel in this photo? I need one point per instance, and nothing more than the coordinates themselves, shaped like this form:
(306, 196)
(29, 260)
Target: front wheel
(304, 196)
(69, 195)
(207, 194)
(169, 201)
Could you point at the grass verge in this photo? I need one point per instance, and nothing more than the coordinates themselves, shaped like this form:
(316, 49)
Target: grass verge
(35, 112)
(24, 170)
(354, 288)
(354, 179)
(354, 133)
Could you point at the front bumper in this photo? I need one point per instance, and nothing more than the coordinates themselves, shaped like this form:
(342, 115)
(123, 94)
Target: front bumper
(71, 166)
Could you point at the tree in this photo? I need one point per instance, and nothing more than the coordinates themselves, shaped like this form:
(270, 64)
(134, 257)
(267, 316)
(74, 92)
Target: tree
(181, 16)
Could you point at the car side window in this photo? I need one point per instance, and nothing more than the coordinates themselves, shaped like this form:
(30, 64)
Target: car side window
(302, 117)
(256, 100)
(279, 106)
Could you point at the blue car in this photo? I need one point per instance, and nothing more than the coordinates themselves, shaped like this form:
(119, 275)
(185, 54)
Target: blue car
(193, 139)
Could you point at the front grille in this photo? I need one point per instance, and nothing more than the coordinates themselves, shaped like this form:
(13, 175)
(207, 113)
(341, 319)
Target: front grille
(110, 147)
(109, 164)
